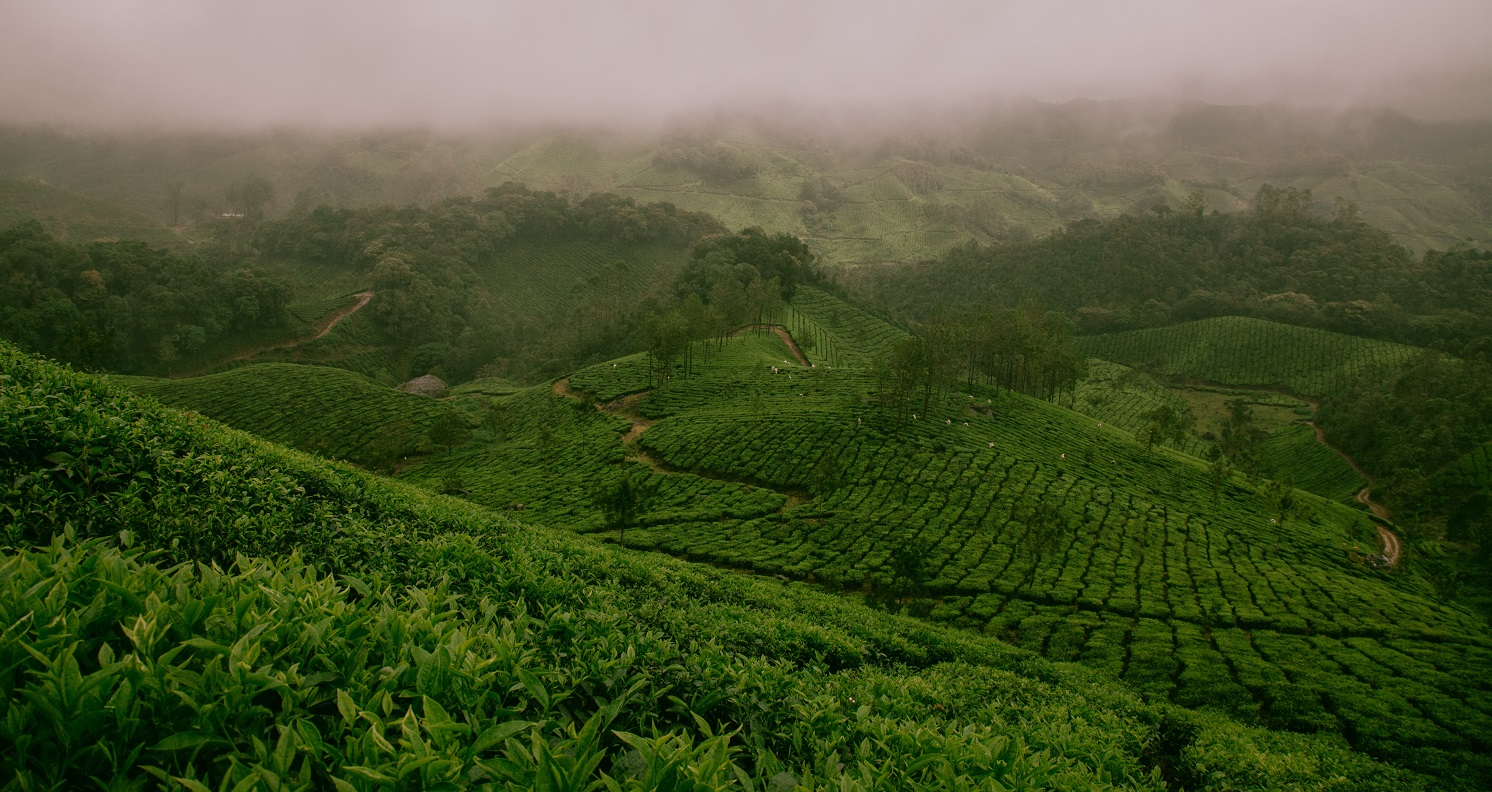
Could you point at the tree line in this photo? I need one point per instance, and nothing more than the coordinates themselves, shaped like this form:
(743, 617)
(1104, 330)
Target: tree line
(1026, 349)
(1288, 258)
(433, 303)
(124, 307)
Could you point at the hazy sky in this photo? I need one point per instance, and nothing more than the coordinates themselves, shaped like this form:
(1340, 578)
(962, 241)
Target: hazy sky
(335, 63)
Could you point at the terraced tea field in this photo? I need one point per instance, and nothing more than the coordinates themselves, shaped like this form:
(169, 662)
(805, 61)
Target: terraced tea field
(1311, 466)
(326, 411)
(1121, 396)
(837, 333)
(544, 452)
(469, 646)
(1243, 351)
(1024, 520)
(1001, 514)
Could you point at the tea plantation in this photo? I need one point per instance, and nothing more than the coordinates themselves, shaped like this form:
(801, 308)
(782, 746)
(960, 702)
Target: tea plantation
(1023, 520)
(1010, 520)
(190, 607)
(1245, 351)
(326, 411)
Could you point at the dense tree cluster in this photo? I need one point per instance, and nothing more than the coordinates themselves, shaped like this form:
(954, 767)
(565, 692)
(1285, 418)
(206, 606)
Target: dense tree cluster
(123, 306)
(713, 161)
(730, 280)
(424, 266)
(747, 256)
(470, 228)
(1283, 260)
(1025, 349)
(1413, 425)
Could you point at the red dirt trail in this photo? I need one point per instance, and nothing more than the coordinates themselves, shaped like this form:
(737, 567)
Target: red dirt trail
(323, 326)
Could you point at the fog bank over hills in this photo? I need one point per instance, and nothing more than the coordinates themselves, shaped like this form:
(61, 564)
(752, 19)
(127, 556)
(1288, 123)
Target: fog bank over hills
(465, 66)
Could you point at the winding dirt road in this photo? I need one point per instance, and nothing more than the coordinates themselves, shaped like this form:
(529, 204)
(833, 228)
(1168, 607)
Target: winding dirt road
(1391, 546)
(786, 337)
(323, 326)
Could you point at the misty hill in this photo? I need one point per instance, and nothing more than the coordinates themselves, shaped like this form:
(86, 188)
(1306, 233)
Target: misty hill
(73, 217)
(1277, 260)
(513, 282)
(912, 190)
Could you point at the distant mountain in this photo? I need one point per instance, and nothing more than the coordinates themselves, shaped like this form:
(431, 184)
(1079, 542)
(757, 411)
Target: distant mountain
(72, 217)
(887, 195)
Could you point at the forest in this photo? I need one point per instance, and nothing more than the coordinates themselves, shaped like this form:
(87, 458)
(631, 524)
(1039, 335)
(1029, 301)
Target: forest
(1280, 260)
(123, 306)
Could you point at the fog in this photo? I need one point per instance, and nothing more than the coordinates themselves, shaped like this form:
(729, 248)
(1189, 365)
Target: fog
(467, 65)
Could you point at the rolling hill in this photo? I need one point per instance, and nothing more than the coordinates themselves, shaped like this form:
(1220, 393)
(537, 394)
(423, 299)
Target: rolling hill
(332, 628)
(78, 218)
(325, 411)
(1236, 350)
(1005, 516)
(909, 192)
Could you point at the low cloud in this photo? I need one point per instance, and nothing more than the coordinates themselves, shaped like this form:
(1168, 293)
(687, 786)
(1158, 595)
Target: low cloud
(478, 64)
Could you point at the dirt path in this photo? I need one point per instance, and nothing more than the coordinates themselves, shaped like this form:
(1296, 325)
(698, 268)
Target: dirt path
(626, 407)
(786, 337)
(1391, 546)
(323, 326)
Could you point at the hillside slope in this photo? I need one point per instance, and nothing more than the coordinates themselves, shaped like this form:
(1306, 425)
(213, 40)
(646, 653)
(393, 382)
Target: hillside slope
(325, 411)
(1021, 520)
(72, 217)
(509, 656)
(1238, 350)
(883, 191)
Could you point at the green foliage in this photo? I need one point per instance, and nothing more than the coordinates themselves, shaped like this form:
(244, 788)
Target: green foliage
(1042, 528)
(1279, 262)
(622, 500)
(425, 642)
(759, 256)
(516, 283)
(124, 306)
(79, 219)
(321, 410)
(1123, 397)
(1310, 465)
(1415, 424)
(1242, 351)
